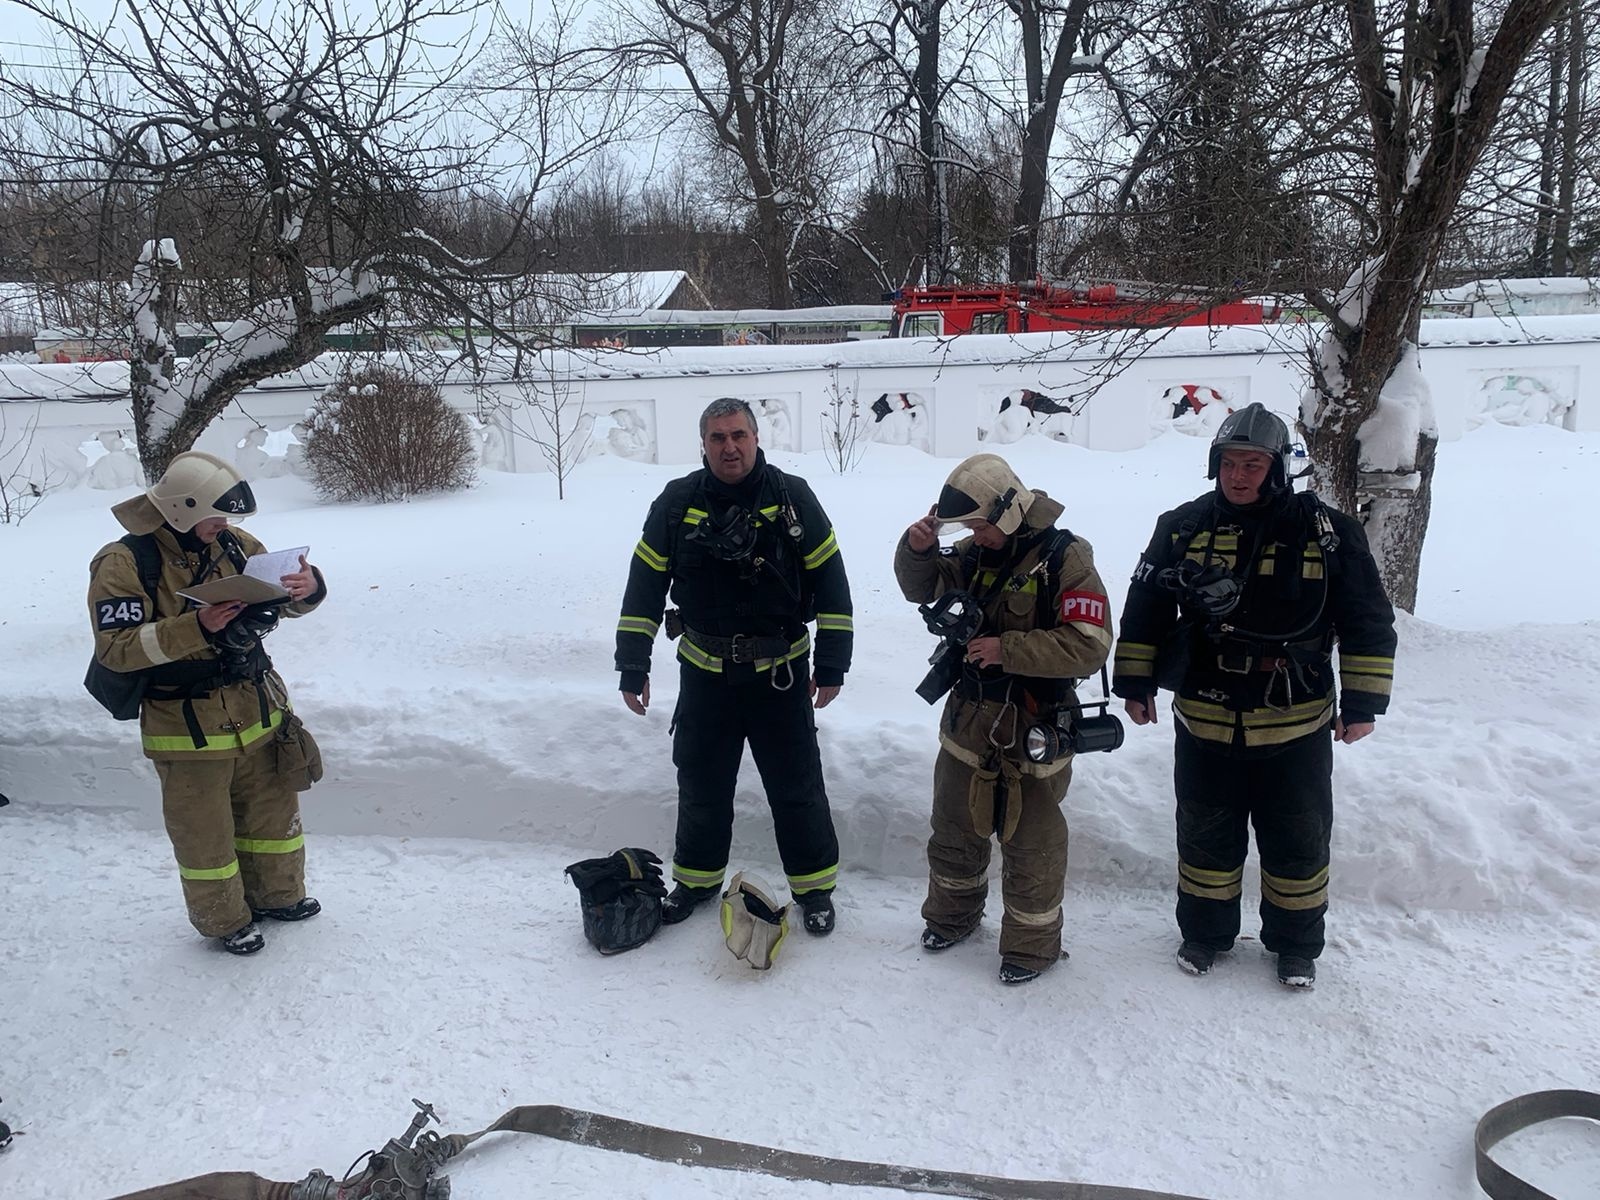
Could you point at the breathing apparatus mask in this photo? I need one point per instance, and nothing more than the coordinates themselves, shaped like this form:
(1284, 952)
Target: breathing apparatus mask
(727, 537)
(730, 537)
(1204, 587)
(1073, 733)
(238, 642)
(954, 618)
(240, 636)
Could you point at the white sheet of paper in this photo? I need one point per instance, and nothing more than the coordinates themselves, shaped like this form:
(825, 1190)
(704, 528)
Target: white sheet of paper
(275, 564)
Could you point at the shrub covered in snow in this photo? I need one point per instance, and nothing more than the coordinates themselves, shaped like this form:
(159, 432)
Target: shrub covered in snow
(380, 434)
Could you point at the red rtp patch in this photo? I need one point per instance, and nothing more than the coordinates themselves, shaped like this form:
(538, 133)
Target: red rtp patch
(1088, 607)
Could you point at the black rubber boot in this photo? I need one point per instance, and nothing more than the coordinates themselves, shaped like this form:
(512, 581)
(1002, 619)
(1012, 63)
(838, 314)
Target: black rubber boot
(246, 940)
(933, 941)
(1296, 971)
(683, 900)
(818, 910)
(300, 910)
(1012, 973)
(1196, 958)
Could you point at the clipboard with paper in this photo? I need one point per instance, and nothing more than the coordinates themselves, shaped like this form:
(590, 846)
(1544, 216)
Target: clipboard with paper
(258, 584)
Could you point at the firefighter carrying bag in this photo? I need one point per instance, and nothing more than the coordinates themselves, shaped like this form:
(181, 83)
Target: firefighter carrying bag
(621, 898)
(121, 692)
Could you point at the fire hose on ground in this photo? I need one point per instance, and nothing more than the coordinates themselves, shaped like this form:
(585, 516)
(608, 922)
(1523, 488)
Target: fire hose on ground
(409, 1167)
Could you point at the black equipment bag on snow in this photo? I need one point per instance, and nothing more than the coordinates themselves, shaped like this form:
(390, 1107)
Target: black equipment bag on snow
(621, 898)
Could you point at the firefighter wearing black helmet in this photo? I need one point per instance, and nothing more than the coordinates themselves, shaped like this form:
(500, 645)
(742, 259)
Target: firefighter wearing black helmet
(1237, 606)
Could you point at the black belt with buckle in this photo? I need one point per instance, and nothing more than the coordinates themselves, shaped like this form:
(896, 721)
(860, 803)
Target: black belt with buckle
(741, 647)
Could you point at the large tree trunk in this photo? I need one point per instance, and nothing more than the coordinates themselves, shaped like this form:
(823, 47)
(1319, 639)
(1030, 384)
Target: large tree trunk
(775, 250)
(1380, 313)
(153, 317)
(1044, 87)
(1023, 245)
(1571, 127)
(931, 145)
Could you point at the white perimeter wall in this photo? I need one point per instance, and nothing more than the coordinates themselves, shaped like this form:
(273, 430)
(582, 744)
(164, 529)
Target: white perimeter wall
(946, 397)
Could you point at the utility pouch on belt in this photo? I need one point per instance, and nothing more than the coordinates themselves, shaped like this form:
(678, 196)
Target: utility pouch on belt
(672, 623)
(994, 798)
(299, 759)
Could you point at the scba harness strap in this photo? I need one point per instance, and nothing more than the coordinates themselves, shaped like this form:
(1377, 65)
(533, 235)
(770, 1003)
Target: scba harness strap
(122, 693)
(1243, 651)
(1043, 554)
(1051, 548)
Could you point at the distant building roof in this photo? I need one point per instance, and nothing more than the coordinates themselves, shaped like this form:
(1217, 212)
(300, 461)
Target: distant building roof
(537, 300)
(1480, 289)
(1561, 296)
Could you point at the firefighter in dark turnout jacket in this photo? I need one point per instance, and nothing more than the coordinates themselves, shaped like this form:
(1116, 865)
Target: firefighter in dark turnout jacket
(212, 711)
(1237, 606)
(1045, 624)
(750, 558)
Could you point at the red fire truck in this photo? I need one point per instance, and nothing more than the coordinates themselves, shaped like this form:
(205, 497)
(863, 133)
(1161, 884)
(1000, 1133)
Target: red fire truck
(945, 311)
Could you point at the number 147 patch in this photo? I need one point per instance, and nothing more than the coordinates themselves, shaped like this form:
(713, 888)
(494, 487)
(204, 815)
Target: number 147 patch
(119, 612)
(1087, 607)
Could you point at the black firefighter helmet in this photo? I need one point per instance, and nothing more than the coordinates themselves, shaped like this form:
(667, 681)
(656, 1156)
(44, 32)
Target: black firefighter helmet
(1254, 428)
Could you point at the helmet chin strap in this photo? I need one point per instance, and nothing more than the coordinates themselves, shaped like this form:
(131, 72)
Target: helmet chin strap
(233, 548)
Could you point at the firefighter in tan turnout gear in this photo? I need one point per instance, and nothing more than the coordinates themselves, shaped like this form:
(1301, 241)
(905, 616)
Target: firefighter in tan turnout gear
(213, 714)
(1044, 625)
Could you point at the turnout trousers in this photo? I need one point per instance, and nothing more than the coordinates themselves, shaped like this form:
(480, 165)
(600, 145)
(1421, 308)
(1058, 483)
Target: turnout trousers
(1288, 795)
(1033, 864)
(717, 714)
(235, 830)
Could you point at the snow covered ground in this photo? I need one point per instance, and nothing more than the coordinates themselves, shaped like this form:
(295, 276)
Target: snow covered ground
(459, 679)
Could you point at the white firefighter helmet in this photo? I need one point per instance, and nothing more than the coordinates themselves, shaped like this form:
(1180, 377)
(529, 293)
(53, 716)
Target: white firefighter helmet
(198, 485)
(753, 922)
(985, 488)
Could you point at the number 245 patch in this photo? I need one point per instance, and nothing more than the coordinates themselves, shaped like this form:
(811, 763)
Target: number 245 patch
(119, 612)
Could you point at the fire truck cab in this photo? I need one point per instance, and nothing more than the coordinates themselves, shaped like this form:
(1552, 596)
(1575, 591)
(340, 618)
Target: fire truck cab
(945, 311)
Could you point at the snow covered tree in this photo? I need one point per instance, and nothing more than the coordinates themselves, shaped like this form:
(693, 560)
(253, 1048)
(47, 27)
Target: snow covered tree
(276, 163)
(1432, 85)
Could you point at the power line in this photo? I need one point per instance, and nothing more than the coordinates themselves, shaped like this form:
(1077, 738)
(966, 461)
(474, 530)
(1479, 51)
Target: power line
(856, 87)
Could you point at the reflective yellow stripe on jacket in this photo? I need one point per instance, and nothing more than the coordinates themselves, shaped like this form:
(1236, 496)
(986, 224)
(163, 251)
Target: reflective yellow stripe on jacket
(1366, 673)
(247, 736)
